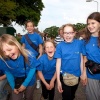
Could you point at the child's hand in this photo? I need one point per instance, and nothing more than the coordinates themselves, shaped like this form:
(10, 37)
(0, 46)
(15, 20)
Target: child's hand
(60, 87)
(16, 91)
(47, 86)
(22, 88)
(83, 78)
(51, 84)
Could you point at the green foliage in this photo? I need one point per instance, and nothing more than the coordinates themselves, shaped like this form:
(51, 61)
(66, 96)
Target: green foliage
(18, 39)
(10, 30)
(28, 9)
(20, 11)
(51, 31)
(79, 26)
(7, 12)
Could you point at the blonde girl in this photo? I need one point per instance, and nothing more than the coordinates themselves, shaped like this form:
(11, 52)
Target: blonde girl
(47, 71)
(69, 60)
(21, 67)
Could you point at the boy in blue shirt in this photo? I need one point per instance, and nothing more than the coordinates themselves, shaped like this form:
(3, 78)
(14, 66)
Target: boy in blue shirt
(36, 39)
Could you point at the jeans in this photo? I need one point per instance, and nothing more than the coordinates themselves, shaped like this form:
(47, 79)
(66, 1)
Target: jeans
(68, 91)
(47, 94)
(27, 94)
(93, 89)
(2, 84)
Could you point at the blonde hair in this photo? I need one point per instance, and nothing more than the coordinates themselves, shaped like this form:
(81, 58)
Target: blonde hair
(11, 40)
(4, 61)
(70, 25)
(48, 41)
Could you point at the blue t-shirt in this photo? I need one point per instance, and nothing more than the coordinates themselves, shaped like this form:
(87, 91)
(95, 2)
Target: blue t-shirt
(2, 67)
(18, 68)
(70, 56)
(1, 72)
(92, 52)
(48, 67)
(35, 38)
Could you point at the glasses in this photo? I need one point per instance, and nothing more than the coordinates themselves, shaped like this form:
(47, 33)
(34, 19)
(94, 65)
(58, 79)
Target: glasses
(68, 33)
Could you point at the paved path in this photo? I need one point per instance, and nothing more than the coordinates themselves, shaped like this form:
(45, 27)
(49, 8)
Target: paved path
(80, 94)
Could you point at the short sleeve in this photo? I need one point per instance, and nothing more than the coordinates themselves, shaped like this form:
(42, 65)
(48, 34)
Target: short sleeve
(84, 48)
(58, 52)
(22, 39)
(40, 67)
(33, 62)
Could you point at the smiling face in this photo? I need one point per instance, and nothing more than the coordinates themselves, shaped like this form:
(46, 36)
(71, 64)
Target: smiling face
(49, 49)
(69, 33)
(30, 27)
(10, 51)
(93, 26)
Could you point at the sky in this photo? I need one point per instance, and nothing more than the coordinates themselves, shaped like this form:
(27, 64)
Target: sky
(59, 12)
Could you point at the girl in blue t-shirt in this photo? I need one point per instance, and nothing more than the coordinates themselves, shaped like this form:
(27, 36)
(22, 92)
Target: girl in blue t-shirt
(46, 71)
(91, 51)
(20, 67)
(69, 60)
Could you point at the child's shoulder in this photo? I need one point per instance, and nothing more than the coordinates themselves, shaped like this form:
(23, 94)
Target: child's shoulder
(32, 60)
(43, 56)
(79, 42)
(61, 43)
(36, 33)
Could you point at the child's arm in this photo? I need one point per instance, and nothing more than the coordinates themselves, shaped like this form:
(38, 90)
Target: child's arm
(27, 80)
(53, 80)
(43, 79)
(2, 77)
(54, 77)
(84, 75)
(29, 77)
(81, 66)
(58, 65)
(10, 79)
(23, 45)
(23, 41)
(40, 50)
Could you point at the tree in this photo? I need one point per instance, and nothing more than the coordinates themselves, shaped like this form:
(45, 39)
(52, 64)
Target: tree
(79, 26)
(7, 13)
(51, 31)
(20, 11)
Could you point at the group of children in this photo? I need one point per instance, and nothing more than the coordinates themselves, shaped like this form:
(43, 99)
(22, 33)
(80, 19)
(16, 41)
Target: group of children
(21, 62)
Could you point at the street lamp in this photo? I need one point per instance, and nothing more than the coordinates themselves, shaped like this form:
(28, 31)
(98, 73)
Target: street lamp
(94, 1)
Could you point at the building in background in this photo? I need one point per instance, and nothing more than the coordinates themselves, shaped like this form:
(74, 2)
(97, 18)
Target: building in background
(7, 30)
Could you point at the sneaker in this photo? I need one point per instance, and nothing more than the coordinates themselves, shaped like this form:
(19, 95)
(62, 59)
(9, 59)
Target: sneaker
(38, 84)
